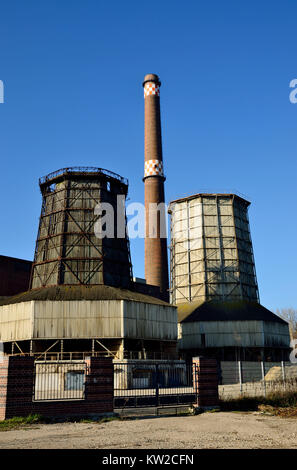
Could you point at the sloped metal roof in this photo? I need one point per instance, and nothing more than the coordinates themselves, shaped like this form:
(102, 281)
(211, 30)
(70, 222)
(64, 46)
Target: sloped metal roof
(225, 311)
(64, 292)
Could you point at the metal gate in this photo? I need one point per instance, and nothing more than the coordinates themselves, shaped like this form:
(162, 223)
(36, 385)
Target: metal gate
(59, 380)
(149, 384)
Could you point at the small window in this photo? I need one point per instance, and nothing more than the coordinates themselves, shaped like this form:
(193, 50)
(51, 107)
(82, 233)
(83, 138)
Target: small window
(74, 380)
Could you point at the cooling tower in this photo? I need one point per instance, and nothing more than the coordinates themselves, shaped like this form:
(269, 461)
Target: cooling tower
(211, 249)
(68, 252)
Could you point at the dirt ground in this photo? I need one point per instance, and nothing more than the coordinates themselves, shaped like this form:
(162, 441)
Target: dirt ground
(223, 430)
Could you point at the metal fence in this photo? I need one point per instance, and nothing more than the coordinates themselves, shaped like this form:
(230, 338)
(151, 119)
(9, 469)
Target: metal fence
(238, 378)
(59, 380)
(139, 384)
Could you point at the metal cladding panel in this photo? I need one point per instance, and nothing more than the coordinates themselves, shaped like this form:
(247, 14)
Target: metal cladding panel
(276, 334)
(16, 321)
(77, 319)
(226, 334)
(148, 321)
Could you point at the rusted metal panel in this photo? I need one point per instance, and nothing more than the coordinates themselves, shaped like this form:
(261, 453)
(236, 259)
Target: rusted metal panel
(150, 321)
(77, 319)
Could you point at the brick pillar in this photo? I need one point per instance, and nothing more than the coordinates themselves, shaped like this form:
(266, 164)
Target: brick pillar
(205, 382)
(156, 260)
(99, 385)
(16, 386)
(3, 386)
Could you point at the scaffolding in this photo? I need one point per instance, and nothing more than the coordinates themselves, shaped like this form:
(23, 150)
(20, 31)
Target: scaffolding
(211, 249)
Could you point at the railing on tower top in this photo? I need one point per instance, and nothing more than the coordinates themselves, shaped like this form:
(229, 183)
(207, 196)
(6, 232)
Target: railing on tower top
(83, 170)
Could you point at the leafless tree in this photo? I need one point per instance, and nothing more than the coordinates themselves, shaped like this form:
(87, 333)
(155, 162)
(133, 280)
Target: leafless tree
(289, 315)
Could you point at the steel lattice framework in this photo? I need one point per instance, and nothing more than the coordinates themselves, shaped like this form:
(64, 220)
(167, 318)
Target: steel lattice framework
(67, 249)
(211, 249)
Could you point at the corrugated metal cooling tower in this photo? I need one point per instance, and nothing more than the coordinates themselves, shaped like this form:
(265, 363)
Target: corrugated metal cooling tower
(68, 252)
(211, 249)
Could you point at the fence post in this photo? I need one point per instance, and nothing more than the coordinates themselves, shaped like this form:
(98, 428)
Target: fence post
(157, 385)
(284, 375)
(240, 375)
(263, 377)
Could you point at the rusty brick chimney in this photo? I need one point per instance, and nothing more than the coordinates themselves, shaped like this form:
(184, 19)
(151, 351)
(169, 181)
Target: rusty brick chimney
(156, 262)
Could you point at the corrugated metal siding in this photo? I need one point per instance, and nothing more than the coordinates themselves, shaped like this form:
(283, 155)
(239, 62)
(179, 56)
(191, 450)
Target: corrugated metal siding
(150, 321)
(16, 321)
(78, 319)
(234, 333)
(276, 334)
(87, 319)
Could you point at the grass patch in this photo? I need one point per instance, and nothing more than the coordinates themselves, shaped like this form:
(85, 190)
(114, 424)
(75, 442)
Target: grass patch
(18, 422)
(104, 419)
(278, 403)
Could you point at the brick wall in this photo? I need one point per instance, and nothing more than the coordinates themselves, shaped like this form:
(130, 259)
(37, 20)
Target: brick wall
(16, 390)
(205, 381)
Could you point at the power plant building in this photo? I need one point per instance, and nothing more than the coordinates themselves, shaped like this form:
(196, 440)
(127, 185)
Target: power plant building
(214, 284)
(83, 299)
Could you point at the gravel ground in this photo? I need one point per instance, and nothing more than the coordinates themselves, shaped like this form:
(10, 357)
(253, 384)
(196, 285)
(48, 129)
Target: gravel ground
(220, 430)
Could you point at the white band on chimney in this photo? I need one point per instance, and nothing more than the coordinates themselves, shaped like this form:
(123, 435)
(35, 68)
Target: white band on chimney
(151, 88)
(153, 168)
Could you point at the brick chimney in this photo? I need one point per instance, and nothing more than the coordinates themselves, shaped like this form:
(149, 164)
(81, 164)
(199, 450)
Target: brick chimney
(156, 262)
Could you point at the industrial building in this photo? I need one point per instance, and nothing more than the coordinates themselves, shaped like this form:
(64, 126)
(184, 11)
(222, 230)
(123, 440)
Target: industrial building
(83, 299)
(14, 275)
(88, 320)
(214, 284)
(236, 330)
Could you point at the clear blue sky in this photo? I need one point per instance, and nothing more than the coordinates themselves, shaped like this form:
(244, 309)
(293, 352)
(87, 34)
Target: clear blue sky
(72, 72)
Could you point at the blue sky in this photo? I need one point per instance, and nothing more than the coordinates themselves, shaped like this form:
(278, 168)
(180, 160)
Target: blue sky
(72, 72)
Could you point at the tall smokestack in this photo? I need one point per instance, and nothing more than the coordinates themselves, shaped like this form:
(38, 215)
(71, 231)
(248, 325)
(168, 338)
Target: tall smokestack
(156, 263)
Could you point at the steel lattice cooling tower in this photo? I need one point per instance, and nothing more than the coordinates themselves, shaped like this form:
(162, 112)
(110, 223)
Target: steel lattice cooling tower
(67, 250)
(211, 249)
